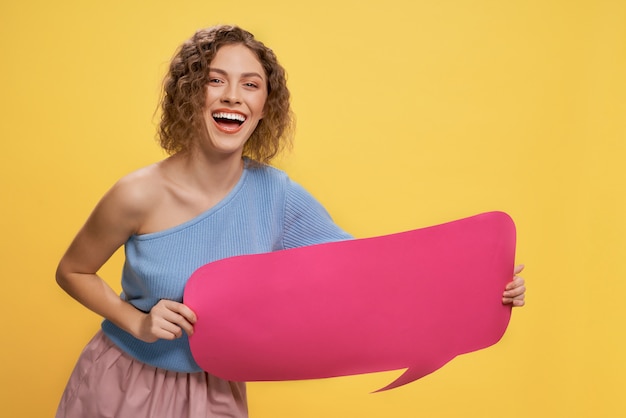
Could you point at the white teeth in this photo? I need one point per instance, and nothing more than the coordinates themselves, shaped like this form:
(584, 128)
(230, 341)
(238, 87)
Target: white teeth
(231, 116)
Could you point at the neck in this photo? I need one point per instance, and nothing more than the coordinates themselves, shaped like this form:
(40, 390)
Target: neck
(210, 174)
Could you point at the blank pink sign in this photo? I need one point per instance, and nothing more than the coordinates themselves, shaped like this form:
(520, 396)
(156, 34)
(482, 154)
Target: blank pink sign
(409, 300)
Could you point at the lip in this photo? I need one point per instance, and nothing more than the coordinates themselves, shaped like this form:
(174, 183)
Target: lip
(226, 129)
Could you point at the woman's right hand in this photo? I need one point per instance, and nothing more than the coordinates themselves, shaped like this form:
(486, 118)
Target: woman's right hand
(167, 320)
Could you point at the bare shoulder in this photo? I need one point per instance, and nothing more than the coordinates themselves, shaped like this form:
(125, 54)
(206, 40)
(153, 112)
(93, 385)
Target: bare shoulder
(137, 190)
(119, 214)
(130, 199)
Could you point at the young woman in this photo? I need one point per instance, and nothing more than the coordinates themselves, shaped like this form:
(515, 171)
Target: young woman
(226, 113)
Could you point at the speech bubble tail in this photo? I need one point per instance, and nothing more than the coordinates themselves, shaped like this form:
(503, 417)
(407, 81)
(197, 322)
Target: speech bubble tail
(414, 373)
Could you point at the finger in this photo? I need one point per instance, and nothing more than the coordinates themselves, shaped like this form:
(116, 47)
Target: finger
(161, 328)
(181, 309)
(168, 330)
(516, 282)
(179, 322)
(518, 269)
(516, 300)
(514, 292)
(167, 317)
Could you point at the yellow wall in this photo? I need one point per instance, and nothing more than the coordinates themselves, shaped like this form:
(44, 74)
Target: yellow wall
(410, 113)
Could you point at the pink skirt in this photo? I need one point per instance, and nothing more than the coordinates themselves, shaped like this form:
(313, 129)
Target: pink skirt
(107, 382)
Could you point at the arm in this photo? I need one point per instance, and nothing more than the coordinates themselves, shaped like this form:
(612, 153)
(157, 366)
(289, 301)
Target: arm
(116, 217)
(306, 221)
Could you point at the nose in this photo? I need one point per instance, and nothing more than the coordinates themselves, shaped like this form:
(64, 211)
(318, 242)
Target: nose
(231, 95)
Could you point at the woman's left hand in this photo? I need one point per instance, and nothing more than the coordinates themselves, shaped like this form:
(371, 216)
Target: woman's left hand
(515, 291)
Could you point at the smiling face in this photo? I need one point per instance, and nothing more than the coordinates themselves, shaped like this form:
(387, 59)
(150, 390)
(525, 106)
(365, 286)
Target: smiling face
(235, 99)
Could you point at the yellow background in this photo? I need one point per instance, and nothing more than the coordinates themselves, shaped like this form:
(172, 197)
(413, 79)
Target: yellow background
(410, 113)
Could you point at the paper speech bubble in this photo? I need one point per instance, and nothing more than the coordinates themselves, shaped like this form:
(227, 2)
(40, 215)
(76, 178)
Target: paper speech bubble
(409, 300)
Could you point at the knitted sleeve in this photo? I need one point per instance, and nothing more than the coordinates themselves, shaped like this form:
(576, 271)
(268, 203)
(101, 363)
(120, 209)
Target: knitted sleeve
(306, 221)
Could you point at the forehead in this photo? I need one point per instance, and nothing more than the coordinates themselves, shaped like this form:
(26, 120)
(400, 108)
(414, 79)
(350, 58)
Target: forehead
(237, 58)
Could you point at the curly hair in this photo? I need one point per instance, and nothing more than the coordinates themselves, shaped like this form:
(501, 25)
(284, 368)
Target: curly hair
(184, 95)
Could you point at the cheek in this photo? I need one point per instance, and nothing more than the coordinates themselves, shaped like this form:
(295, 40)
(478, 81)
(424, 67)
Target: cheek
(209, 96)
(206, 115)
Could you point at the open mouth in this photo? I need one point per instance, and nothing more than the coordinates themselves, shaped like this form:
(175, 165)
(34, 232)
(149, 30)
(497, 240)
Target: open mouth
(228, 121)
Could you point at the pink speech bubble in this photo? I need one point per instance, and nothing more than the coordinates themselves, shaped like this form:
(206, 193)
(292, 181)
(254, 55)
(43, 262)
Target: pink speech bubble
(411, 300)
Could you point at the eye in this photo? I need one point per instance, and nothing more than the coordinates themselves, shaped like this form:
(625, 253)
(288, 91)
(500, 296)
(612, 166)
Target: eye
(251, 85)
(213, 80)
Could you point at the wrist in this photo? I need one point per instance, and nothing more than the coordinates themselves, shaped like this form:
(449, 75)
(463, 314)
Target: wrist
(130, 319)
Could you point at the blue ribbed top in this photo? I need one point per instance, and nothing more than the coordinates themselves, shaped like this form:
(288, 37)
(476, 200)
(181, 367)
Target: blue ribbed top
(264, 212)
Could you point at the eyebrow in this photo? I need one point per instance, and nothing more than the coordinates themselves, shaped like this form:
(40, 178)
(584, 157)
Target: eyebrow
(244, 75)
